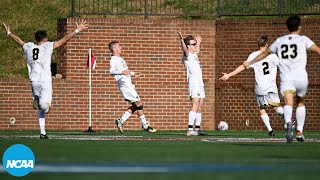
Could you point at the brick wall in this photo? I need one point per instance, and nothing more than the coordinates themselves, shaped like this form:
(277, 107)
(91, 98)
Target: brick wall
(235, 102)
(151, 47)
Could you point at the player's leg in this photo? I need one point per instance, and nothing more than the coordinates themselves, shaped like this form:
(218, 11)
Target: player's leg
(262, 101)
(144, 124)
(119, 122)
(199, 113)
(301, 109)
(45, 103)
(35, 87)
(288, 90)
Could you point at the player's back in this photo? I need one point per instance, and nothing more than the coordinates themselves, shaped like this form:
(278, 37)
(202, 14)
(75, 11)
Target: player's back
(265, 73)
(292, 52)
(39, 60)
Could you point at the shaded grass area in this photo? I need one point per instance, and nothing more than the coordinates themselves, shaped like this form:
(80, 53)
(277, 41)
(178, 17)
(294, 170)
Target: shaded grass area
(292, 161)
(25, 17)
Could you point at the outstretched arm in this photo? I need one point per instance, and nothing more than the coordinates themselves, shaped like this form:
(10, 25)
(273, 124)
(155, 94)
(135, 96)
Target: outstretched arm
(226, 76)
(183, 45)
(198, 39)
(83, 25)
(261, 56)
(315, 49)
(12, 36)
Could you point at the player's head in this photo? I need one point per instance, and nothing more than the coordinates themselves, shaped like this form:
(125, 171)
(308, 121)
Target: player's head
(115, 47)
(190, 41)
(293, 23)
(40, 35)
(262, 41)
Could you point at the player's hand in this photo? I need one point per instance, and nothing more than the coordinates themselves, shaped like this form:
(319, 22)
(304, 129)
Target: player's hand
(180, 35)
(246, 64)
(198, 39)
(137, 74)
(7, 28)
(126, 72)
(83, 25)
(225, 77)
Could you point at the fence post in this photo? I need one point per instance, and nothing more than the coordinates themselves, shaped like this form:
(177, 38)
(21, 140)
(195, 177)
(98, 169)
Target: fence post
(73, 8)
(281, 7)
(219, 13)
(145, 9)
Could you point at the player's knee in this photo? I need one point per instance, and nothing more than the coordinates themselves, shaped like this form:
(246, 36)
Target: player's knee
(279, 110)
(45, 107)
(41, 113)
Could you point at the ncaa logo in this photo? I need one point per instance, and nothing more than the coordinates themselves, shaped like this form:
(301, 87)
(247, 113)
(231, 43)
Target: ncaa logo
(18, 160)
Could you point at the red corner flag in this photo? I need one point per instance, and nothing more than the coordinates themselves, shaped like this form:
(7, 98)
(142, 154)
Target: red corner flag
(93, 61)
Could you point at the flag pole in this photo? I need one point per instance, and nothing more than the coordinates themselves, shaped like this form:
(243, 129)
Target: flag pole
(90, 66)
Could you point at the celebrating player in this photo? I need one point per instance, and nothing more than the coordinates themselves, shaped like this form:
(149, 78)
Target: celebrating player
(292, 50)
(39, 67)
(265, 81)
(191, 48)
(119, 68)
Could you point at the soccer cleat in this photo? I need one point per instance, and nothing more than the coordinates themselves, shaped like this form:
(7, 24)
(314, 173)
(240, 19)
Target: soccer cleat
(299, 136)
(201, 133)
(43, 136)
(289, 135)
(271, 134)
(35, 102)
(192, 133)
(149, 129)
(119, 125)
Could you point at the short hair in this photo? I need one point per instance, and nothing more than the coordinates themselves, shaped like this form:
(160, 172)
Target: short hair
(262, 41)
(111, 45)
(187, 40)
(40, 35)
(293, 23)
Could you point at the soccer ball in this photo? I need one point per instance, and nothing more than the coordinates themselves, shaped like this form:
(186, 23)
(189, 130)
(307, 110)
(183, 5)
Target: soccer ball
(223, 126)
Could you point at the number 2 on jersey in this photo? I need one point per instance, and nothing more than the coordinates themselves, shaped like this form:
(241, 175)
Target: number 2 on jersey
(35, 53)
(265, 68)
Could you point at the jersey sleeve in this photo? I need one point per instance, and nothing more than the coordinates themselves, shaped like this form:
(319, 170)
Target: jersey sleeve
(25, 47)
(250, 58)
(308, 42)
(274, 46)
(49, 45)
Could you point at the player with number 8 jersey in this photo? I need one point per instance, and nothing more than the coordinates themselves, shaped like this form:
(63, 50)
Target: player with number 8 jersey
(38, 56)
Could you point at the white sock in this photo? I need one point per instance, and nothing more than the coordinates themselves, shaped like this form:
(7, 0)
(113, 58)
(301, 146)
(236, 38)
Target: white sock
(192, 117)
(301, 117)
(287, 111)
(42, 123)
(143, 121)
(265, 119)
(125, 116)
(198, 119)
(279, 110)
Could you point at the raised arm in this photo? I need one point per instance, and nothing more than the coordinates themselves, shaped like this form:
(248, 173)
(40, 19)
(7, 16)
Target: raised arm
(83, 25)
(261, 56)
(183, 45)
(12, 36)
(198, 39)
(226, 76)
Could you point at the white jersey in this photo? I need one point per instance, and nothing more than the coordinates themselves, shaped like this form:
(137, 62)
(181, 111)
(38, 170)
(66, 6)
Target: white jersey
(39, 61)
(193, 69)
(265, 73)
(117, 65)
(292, 52)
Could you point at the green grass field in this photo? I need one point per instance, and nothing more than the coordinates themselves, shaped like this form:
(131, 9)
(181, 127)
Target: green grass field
(167, 155)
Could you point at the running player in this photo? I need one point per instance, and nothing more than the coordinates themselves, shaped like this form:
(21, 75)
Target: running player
(292, 50)
(122, 74)
(39, 67)
(191, 48)
(265, 81)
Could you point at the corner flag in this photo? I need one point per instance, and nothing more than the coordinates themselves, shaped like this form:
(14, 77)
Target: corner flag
(93, 61)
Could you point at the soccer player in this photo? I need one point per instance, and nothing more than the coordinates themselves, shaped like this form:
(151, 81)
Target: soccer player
(122, 74)
(292, 50)
(191, 48)
(38, 56)
(266, 90)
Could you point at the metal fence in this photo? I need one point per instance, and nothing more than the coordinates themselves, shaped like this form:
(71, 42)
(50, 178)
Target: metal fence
(205, 9)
